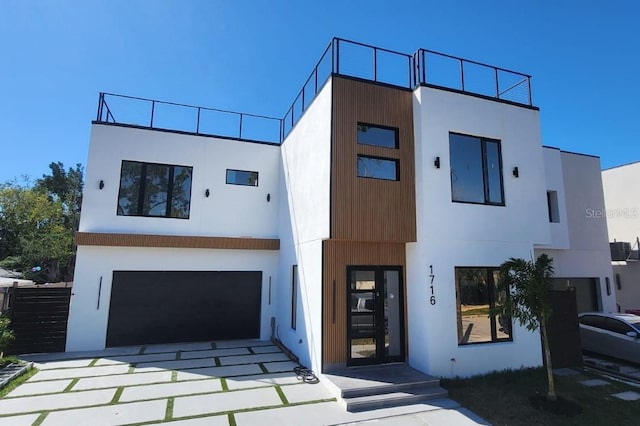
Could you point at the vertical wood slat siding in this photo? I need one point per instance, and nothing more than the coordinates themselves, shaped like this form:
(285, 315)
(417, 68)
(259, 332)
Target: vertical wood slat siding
(364, 209)
(337, 255)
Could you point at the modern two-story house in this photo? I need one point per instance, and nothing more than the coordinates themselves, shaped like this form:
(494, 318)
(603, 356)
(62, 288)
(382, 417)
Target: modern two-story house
(364, 227)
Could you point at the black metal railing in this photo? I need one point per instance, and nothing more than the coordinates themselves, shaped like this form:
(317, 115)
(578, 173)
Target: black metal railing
(188, 118)
(340, 57)
(442, 70)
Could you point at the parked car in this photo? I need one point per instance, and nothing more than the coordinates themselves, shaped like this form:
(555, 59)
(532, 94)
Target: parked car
(614, 335)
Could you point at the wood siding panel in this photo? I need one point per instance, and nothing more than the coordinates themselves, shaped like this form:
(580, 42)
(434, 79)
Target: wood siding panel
(371, 209)
(337, 255)
(174, 241)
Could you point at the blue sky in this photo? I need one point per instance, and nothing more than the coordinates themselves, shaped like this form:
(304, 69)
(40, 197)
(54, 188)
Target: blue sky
(253, 56)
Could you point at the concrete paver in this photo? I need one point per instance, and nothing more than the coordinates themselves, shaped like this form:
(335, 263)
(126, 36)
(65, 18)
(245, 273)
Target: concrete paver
(225, 401)
(174, 347)
(181, 364)
(594, 382)
(130, 359)
(22, 420)
(60, 401)
(219, 420)
(231, 370)
(261, 380)
(265, 349)
(59, 356)
(276, 367)
(72, 373)
(64, 364)
(306, 392)
(245, 343)
(122, 380)
(247, 359)
(36, 388)
(165, 390)
(135, 412)
(214, 352)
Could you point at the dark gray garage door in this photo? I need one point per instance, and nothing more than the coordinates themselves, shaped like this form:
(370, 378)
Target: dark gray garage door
(183, 306)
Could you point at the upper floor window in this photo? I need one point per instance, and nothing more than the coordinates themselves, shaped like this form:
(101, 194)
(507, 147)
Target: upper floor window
(378, 168)
(242, 177)
(476, 170)
(552, 206)
(155, 190)
(386, 137)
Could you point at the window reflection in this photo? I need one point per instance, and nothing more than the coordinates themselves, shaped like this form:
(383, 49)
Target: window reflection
(377, 168)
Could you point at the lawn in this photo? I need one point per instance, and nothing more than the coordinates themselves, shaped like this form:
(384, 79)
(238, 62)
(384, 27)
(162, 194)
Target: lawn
(504, 399)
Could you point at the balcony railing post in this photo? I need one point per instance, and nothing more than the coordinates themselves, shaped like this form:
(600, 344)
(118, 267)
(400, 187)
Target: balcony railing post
(240, 135)
(316, 79)
(153, 107)
(497, 84)
(529, 90)
(462, 74)
(100, 102)
(410, 66)
(375, 64)
(303, 87)
(337, 56)
(198, 123)
(424, 66)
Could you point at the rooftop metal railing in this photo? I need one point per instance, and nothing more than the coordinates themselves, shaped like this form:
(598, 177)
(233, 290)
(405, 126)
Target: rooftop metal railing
(200, 120)
(340, 57)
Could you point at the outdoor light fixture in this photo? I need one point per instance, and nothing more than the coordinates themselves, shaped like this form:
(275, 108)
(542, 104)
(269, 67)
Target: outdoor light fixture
(437, 163)
(516, 172)
(101, 184)
(268, 197)
(206, 193)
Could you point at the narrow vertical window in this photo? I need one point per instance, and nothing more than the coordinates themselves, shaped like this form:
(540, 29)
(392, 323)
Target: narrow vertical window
(294, 296)
(552, 206)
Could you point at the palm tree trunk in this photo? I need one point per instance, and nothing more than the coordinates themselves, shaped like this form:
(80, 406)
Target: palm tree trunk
(551, 393)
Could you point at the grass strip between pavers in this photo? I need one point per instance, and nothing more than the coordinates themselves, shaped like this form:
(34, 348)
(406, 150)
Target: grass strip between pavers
(70, 385)
(91, 364)
(168, 414)
(263, 368)
(251, 351)
(178, 355)
(40, 418)
(223, 384)
(232, 420)
(142, 349)
(174, 376)
(117, 395)
(283, 398)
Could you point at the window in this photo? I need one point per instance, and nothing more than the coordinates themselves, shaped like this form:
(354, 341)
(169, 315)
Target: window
(294, 296)
(242, 177)
(552, 205)
(154, 190)
(476, 294)
(386, 137)
(378, 168)
(476, 170)
(617, 326)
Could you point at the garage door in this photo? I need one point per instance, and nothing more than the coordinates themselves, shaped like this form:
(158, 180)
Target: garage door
(175, 306)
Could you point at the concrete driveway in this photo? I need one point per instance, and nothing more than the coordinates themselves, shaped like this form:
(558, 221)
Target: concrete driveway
(244, 382)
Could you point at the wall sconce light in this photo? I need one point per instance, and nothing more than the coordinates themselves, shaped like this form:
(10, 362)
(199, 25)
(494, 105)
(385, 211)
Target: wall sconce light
(516, 172)
(206, 193)
(437, 162)
(101, 184)
(268, 197)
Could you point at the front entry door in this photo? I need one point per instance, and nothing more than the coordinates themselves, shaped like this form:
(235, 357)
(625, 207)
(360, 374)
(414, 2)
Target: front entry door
(375, 317)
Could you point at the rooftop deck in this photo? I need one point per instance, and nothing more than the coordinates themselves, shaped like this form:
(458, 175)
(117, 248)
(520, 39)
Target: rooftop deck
(341, 57)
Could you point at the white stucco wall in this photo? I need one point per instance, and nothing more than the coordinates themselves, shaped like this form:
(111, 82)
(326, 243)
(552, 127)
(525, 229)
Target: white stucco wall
(88, 325)
(229, 211)
(588, 255)
(303, 224)
(456, 234)
(622, 199)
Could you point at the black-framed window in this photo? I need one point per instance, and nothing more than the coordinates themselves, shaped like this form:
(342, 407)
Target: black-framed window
(477, 294)
(242, 177)
(294, 296)
(369, 134)
(154, 190)
(552, 206)
(476, 170)
(378, 168)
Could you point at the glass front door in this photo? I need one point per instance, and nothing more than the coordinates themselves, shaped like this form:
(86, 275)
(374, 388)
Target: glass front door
(376, 314)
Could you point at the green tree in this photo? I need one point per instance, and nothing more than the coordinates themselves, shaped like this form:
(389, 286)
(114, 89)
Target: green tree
(528, 284)
(66, 188)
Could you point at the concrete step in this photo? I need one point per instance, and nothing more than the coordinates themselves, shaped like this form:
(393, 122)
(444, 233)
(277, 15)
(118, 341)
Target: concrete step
(393, 399)
(375, 388)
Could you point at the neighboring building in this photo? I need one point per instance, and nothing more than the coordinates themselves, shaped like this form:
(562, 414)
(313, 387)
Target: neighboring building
(622, 199)
(367, 227)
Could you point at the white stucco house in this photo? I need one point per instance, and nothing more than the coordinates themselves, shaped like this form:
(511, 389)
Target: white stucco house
(622, 199)
(364, 227)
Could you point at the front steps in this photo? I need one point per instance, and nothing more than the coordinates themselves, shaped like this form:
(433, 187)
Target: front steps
(381, 386)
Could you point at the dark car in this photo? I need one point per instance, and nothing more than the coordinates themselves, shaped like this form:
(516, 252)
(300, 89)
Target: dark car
(614, 335)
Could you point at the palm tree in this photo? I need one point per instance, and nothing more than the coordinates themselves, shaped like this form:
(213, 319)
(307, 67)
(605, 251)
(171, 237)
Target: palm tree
(528, 284)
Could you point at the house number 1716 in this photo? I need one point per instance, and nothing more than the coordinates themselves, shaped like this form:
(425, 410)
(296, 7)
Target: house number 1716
(432, 277)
